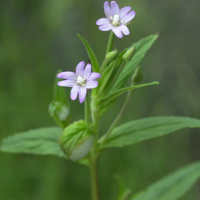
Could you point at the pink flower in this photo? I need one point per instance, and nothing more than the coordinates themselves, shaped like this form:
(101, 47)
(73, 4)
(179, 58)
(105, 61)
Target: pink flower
(116, 19)
(79, 81)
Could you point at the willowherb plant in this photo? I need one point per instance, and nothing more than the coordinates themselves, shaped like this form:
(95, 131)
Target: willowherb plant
(81, 141)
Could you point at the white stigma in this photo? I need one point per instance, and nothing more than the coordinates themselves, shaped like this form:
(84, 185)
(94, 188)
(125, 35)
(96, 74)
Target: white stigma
(80, 80)
(116, 19)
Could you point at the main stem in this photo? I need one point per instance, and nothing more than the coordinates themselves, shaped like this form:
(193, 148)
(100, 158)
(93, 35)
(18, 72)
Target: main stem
(95, 120)
(94, 176)
(94, 154)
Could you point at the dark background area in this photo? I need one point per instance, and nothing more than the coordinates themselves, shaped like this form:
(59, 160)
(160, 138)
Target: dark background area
(38, 37)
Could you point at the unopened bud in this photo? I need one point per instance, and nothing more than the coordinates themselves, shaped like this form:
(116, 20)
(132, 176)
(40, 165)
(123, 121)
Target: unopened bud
(76, 140)
(111, 55)
(137, 76)
(129, 54)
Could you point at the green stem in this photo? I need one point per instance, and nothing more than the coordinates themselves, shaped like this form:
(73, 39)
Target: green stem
(87, 109)
(110, 42)
(94, 175)
(123, 109)
(94, 153)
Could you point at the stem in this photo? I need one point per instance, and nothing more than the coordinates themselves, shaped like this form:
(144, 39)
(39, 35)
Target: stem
(123, 109)
(110, 42)
(94, 153)
(94, 176)
(87, 109)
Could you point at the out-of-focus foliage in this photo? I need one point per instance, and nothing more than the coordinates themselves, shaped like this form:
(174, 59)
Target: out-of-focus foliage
(39, 37)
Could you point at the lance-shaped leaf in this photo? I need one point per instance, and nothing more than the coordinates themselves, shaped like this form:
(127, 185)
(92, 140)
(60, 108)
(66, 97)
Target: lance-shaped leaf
(173, 186)
(141, 47)
(43, 141)
(115, 94)
(94, 62)
(143, 129)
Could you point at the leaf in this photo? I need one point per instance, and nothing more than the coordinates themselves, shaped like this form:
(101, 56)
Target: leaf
(115, 94)
(147, 128)
(141, 48)
(43, 141)
(94, 62)
(173, 186)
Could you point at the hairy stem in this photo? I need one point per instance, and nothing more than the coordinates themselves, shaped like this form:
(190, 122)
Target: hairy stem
(94, 176)
(110, 42)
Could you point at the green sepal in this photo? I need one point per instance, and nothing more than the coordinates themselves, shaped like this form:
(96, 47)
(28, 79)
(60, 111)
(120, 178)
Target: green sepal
(173, 186)
(76, 140)
(59, 107)
(142, 46)
(94, 62)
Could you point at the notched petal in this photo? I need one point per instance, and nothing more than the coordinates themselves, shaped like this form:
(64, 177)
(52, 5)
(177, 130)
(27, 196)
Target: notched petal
(94, 75)
(91, 84)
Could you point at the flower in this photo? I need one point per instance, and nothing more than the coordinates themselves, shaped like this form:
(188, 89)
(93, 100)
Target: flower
(79, 81)
(116, 19)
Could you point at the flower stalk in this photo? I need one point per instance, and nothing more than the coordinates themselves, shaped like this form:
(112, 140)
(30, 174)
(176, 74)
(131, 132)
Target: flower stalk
(110, 42)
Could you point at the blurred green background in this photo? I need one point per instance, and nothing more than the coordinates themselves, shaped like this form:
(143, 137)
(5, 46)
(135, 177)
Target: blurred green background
(38, 37)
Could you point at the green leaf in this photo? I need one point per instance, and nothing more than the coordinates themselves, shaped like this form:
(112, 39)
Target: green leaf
(94, 62)
(115, 94)
(147, 128)
(141, 48)
(43, 141)
(173, 186)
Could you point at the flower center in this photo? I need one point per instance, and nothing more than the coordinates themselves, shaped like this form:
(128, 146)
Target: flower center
(115, 20)
(81, 81)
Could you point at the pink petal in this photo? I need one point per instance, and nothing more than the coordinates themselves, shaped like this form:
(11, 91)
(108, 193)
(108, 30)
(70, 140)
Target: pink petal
(124, 11)
(105, 27)
(67, 83)
(127, 18)
(91, 84)
(74, 91)
(67, 75)
(117, 32)
(124, 29)
(87, 71)
(102, 21)
(114, 8)
(107, 10)
(94, 76)
(82, 94)
(79, 68)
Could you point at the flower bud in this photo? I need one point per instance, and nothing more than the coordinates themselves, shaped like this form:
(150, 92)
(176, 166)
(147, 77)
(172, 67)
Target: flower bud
(111, 55)
(76, 140)
(137, 76)
(129, 54)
